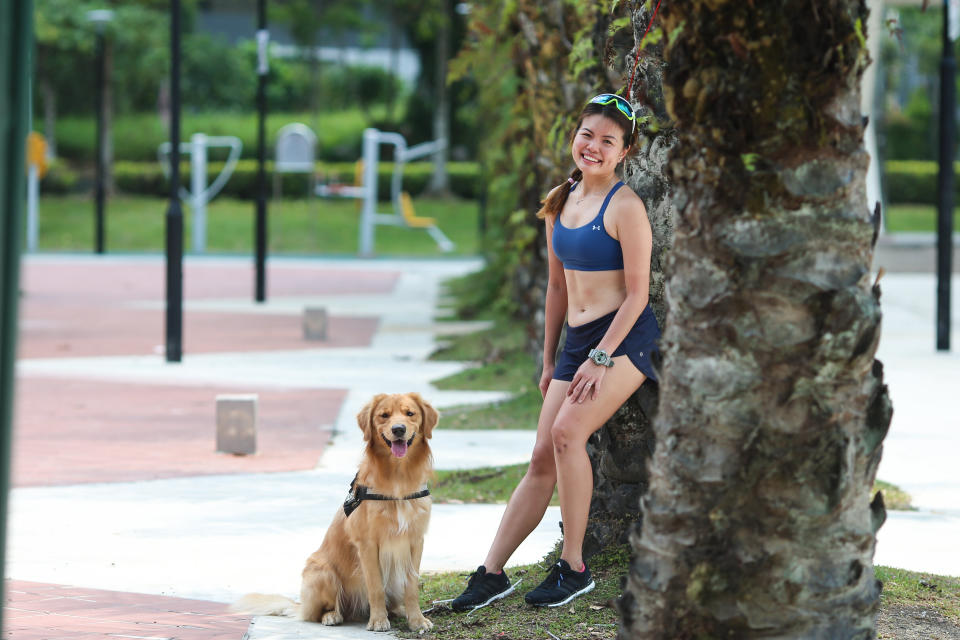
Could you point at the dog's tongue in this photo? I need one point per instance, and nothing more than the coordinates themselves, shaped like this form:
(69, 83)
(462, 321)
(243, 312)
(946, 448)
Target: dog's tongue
(399, 448)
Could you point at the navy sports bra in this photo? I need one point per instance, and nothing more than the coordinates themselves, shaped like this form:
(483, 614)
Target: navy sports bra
(589, 247)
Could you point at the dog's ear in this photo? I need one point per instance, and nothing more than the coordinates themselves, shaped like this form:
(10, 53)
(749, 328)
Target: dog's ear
(365, 417)
(430, 415)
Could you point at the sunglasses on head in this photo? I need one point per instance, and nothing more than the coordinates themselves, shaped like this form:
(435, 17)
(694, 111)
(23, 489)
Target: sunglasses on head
(622, 105)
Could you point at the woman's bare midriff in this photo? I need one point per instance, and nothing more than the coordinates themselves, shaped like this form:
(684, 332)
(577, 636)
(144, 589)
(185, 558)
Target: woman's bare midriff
(593, 294)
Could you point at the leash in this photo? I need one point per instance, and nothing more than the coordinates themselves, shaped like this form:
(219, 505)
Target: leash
(639, 49)
(359, 493)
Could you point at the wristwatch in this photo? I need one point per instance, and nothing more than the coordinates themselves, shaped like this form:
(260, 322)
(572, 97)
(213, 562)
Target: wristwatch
(600, 357)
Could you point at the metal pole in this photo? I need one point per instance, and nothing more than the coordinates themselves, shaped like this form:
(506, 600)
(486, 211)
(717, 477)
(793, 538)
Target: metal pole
(16, 45)
(263, 39)
(198, 185)
(99, 180)
(948, 72)
(368, 215)
(174, 317)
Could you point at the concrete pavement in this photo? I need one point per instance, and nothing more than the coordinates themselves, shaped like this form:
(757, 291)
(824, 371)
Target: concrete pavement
(118, 486)
(205, 531)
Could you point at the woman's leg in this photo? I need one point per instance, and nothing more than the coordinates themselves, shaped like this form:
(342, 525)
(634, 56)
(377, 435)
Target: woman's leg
(571, 429)
(532, 496)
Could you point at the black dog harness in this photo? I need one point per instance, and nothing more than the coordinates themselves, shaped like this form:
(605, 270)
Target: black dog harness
(359, 493)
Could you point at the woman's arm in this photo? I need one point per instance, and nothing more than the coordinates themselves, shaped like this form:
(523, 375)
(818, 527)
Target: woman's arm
(555, 309)
(636, 241)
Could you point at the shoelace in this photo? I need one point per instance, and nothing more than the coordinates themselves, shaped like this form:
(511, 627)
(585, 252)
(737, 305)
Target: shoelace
(556, 573)
(471, 577)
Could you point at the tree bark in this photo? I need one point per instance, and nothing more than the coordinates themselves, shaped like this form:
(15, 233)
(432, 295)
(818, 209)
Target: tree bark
(49, 94)
(107, 132)
(440, 180)
(620, 452)
(758, 520)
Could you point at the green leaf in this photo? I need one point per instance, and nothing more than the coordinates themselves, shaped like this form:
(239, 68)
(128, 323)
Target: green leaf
(675, 32)
(618, 24)
(749, 161)
(858, 27)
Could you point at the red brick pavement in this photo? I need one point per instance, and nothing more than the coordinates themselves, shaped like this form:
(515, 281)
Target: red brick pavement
(89, 308)
(35, 611)
(80, 431)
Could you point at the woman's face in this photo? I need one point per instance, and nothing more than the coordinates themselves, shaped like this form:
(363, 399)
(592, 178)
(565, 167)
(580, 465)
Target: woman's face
(597, 145)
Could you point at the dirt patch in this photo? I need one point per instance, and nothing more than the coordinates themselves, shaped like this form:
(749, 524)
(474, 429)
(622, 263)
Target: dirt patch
(915, 622)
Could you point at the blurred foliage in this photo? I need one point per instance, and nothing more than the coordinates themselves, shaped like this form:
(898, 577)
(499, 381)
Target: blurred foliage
(910, 68)
(138, 35)
(914, 181)
(137, 135)
(216, 75)
(149, 178)
(534, 65)
(424, 22)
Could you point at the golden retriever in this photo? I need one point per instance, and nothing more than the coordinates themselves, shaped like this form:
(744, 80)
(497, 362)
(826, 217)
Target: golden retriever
(369, 561)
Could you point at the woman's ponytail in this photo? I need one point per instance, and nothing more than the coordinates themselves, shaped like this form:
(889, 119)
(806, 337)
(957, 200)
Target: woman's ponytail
(558, 197)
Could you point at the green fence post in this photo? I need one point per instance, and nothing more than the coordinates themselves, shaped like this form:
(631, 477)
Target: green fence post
(16, 46)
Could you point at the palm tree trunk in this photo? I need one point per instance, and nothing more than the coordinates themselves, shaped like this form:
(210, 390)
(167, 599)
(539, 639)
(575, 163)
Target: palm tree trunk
(758, 520)
(440, 179)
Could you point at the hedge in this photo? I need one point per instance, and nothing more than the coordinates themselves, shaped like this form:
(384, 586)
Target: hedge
(147, 178)
(915, 181)
(906, 181)
(136, 137)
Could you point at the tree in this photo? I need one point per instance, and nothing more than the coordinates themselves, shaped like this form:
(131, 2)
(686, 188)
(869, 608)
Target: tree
(308, 20)
(136, 58)
(758, 520)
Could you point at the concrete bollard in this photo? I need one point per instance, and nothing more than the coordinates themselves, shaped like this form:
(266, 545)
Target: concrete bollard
(237, 424)
(315, 323)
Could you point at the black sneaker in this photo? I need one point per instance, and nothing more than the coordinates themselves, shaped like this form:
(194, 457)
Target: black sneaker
(482, 589)
(561, 585)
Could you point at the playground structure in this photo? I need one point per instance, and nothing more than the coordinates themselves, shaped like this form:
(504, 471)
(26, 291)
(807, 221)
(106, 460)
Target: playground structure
(295, 153)
(200, 193)
(403, 214)
(36, 168)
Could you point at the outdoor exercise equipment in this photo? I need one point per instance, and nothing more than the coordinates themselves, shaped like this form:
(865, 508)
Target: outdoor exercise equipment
(295, 153)
(36, 169)
(403, 214)
(200, 193)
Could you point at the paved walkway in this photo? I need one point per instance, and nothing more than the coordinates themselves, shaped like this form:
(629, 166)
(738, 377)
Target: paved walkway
(120, 494)
(118, 487)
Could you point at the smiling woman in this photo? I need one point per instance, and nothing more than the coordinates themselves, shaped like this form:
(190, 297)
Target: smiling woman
(599, 246)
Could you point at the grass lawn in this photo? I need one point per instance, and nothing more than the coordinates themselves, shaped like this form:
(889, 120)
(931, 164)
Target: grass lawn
(915, 217)
(910, 588)
(489, 485)
(594, 616)
(296, 227)
(590, 616)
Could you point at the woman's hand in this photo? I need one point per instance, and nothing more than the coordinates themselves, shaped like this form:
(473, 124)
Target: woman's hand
(586, 382)
(545, 378)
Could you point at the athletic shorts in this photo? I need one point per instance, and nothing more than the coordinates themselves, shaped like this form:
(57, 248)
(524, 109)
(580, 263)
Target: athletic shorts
(639, 344)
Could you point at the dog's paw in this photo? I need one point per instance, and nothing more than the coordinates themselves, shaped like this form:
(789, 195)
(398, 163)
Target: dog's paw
(420, 623)
(378, 624)
(331, 618)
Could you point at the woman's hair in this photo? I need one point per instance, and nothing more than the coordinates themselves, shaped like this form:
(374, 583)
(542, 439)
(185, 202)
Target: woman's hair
(554, 202)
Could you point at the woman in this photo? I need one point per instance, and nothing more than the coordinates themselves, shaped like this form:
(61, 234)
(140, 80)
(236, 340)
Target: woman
(599, 245)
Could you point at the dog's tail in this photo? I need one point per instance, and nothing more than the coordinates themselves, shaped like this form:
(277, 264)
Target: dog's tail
(259, 604)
